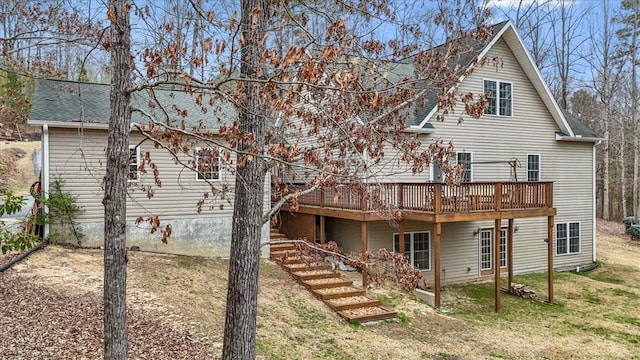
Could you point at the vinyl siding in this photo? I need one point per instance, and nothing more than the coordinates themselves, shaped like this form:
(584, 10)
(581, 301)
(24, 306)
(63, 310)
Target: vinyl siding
(531, 130)
(77, 158)
(346, 233)
(493, 141)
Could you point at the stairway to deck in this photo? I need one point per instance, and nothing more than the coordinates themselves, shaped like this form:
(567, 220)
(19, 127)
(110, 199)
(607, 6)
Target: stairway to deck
(325, 283)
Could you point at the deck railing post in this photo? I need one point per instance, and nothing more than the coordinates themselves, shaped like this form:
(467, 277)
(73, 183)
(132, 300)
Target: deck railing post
(497, 194)
(400, 196)
(321, 197)
(437, 198)
(549, 195)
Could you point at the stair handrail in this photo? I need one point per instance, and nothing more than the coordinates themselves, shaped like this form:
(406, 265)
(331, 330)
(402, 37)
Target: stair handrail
(305, 242)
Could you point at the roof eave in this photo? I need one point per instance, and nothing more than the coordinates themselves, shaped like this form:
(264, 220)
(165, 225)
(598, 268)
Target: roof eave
(482, 54)
(578, 138)
(537, 82)
(415, 129)
(68, 124)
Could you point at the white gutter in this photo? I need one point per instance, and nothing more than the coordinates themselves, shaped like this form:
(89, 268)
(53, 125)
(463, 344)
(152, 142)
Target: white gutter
(93, 126)
(593, 200)
(419, 130)
(45, 173)
(578, 138)
(69, 124)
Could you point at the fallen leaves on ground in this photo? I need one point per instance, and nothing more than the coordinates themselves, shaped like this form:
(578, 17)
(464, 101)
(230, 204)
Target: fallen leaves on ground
(41, 322)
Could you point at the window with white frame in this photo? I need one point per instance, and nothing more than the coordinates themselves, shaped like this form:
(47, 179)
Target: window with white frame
(465, 158)
(499, 97)
(134, 163)
(503, 248)
(207, 164)
(417, 248)
(486, 249)
(567, 238)
(533, 167)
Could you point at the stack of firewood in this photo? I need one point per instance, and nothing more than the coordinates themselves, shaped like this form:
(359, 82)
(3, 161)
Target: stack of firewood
(523, 291)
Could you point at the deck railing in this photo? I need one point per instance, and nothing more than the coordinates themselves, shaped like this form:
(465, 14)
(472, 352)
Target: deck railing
(434, 197)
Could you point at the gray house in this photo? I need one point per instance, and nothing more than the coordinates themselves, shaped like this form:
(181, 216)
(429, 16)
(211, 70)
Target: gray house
(527, 198)
(74, 119)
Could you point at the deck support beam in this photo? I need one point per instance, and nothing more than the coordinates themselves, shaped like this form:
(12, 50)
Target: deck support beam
(322, 230)
(436, 265)
(496, 262)
(510, 253)
(401, 248)
(549, 240)
(365, 248)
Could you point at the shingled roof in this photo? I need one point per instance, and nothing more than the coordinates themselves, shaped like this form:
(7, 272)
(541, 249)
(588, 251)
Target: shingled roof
(464, 59)
(569, 125)
(67, 102)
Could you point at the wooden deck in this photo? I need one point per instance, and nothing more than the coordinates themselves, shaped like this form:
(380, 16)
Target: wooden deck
(433, 202)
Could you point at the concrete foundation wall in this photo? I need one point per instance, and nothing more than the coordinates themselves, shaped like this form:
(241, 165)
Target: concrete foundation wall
(202, 236)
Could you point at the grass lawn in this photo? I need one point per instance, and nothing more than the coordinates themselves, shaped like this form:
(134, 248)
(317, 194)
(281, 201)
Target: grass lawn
(595, 315)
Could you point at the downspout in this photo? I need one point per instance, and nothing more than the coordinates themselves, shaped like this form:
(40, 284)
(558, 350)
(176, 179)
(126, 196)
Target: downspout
(593, 200)
(45, 173)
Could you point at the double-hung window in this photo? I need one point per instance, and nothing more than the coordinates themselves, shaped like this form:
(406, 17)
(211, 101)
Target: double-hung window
(533, 167)
(134, 163)
(417, 248)
(567, 238)
(207, 164)
(499, 97)
(465, 159)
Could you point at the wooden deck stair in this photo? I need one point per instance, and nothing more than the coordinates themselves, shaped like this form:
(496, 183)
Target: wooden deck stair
(327, 284)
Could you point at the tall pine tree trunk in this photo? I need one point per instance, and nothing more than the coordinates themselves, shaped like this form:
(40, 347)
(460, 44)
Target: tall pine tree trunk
(633, 49)
(242, 293)
(115, 206)
(605, 170)
(623, 174)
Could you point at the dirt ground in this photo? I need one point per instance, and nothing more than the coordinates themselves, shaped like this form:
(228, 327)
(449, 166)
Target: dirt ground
(50, 304)
(16, 156)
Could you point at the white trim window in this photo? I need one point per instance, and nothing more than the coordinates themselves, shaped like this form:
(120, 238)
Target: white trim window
(499, 97)
(568, 238)
(207, 164)
(466, 159)
(134, 163)
(533, 167)
(417, 248)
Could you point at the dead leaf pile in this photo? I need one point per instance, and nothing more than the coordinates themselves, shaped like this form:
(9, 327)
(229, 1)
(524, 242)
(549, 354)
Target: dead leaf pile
(41, 322)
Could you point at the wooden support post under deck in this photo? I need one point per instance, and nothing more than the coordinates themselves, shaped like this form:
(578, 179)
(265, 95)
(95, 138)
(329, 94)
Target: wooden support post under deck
(322, 230)
(550, 257)
(496, 262)
(436, 264)
(365, 248)
(401, 248)
(510, 253)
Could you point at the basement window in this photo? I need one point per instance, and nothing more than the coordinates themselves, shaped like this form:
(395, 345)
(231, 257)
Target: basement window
(417, 248)
(568, 238)
(134, 163)
(207, 164)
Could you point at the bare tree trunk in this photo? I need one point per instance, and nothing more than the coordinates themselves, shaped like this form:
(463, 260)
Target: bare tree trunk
(605, 170)
(634, 110)
(242, 292)
(115, 207)
(636, 148)
(623, 177)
